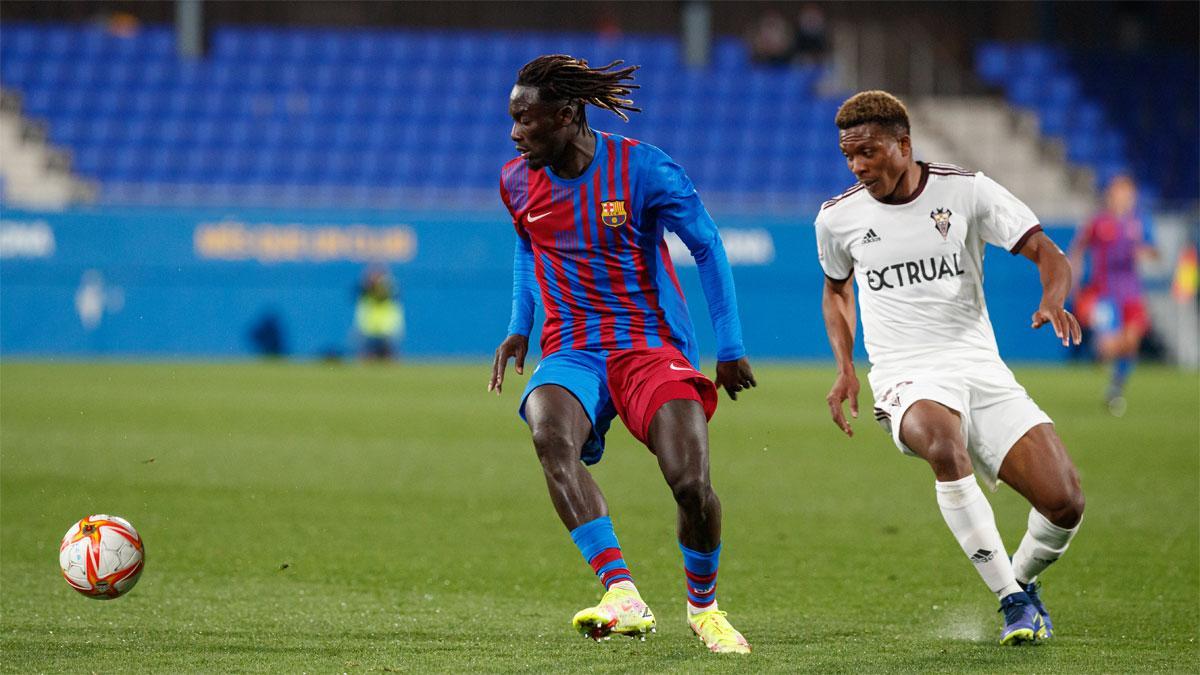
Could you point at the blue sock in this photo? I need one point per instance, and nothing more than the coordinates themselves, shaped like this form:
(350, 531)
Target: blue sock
(598, 544)
(1120, 373)
(700, 573)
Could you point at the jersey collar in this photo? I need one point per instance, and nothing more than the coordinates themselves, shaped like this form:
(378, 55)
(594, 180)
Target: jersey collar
(916, 193)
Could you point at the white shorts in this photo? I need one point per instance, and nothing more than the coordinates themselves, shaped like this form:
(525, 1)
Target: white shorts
(993, 408)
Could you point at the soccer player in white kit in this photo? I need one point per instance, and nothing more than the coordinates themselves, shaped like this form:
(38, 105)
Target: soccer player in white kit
(912, 235)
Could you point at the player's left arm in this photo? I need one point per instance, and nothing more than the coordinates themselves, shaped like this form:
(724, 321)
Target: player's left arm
(1006, 221)
(676, 204)
(1055, 272)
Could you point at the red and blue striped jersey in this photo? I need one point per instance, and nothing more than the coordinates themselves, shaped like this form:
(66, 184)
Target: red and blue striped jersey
(593, 246)
(1111, 244)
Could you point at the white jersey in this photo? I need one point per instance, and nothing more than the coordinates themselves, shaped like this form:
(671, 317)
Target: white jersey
(919, 264)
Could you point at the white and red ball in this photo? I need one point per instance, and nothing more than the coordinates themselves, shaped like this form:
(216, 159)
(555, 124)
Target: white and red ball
(102, 556)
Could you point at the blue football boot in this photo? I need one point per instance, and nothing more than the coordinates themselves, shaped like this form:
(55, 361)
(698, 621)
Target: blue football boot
(1032, 589)
(1022, 621)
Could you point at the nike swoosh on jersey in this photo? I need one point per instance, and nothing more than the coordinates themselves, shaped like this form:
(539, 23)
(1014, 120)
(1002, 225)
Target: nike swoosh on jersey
(532, 218)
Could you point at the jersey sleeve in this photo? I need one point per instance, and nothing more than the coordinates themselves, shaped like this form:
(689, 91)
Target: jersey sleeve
(672, 199)
(835, 259)
(524, 293)
(511, 214)
(1002, 219)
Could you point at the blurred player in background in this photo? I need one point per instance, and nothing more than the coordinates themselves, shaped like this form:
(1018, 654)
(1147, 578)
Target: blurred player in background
(1110, 303)
(912, 235)
(590, 210)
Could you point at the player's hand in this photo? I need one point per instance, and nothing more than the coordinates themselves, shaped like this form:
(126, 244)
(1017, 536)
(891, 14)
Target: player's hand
(844, 387)
(1066, 326)
(735, 376)
(513, 347)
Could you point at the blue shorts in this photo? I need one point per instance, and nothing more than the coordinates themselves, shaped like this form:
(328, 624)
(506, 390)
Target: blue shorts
(585, 375)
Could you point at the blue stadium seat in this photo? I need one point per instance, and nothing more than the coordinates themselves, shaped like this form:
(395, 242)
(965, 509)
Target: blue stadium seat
(1089, 116)
(991, 63)
(1036, 59)
(729, 54)
(1082, 148)
(1026, 91)
(1061, 91)
(1054, 120)
(21, 42)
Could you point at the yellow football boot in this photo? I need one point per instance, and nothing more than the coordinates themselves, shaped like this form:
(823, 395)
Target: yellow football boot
(717, 634)
(620, 611)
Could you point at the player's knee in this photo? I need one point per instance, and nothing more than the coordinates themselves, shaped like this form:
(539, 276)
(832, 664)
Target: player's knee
(1067, 509)
(948, 457)
(692, 491)
(554, 445)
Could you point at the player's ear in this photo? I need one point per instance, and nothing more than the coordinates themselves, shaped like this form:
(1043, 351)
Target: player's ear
(566, 114)
(905, 143)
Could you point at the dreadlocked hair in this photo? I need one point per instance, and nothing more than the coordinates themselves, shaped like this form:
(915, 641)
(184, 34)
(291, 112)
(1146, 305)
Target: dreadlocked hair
(559, 77)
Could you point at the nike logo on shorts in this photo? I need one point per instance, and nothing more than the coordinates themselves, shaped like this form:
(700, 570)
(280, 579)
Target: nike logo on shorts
(688, 369)
(532, 218)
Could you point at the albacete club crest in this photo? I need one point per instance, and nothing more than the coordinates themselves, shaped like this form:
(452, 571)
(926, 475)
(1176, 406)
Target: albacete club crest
(613, 213)
(941, 220)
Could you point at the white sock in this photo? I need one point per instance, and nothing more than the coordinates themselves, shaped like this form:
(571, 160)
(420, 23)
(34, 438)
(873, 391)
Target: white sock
(969, 516)
(694, 610)
(625, 584)
(1044, 542)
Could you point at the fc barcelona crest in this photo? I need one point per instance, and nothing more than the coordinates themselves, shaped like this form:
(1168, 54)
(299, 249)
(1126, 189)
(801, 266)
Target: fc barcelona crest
(613, 213)
(941, 220)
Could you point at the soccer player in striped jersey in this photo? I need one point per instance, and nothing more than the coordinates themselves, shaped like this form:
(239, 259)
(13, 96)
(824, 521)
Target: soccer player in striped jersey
(912, 235)
(590, 210)
(1111, 303)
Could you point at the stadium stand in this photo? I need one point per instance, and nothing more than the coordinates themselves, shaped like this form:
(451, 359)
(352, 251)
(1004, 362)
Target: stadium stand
(370, 117)
(272, 111)
(1107, 108)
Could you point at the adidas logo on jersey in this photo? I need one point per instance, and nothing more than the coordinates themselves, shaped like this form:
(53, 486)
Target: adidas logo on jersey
(870, 237)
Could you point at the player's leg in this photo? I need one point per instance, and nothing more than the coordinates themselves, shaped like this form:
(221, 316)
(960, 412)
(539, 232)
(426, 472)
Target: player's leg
(1039, 468)
(561, 430)
(678, 437)
(1119, 326)
(666, 403)
(934, 432)
(1123, 347)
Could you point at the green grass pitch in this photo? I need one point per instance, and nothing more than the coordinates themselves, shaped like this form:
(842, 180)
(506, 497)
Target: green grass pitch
(341, 518)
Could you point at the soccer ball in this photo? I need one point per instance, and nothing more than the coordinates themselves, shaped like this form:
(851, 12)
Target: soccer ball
(102, 556)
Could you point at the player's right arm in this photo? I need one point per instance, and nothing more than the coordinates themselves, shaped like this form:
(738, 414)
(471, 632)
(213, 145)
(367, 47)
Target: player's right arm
(524, 303)
(837, 308)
